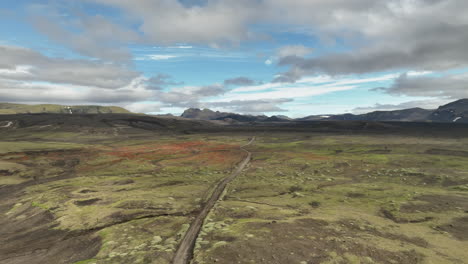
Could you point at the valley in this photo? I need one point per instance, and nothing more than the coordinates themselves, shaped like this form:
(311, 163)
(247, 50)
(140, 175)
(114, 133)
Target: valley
(126, 189)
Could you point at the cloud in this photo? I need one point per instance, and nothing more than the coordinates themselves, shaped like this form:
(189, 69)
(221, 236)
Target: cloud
(160, 81)
(170, 22)
(452, 86)
(181, 47)
(189, 96)
(293, 50)
(144, 107)
(157, 57)
(392, 35)
(244, 81)
(383, 35)
(31, 77)
(28, 65)
(252, 106)
(93, 36)
(305, 87)
(40, 92)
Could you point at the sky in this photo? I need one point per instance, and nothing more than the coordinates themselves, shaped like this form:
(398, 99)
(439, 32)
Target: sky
(273, 57)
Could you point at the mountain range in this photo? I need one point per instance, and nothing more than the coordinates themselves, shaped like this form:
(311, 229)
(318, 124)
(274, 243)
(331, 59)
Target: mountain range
(456, 111)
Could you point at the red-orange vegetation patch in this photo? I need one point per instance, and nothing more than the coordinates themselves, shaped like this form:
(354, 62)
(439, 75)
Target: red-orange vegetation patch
(156, 151)
(220, 159)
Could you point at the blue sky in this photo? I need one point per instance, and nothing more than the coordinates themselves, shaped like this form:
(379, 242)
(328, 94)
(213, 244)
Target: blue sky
(271, 57)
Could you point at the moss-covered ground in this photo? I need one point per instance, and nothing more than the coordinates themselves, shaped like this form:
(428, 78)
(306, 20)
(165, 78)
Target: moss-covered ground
(304, 198)
(311, 198)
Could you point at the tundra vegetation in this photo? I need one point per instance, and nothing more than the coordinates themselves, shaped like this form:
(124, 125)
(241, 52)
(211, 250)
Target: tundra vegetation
(128, 195)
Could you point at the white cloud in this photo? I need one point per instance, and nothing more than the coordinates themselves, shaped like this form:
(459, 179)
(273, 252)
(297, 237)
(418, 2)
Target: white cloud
(19, 70)
(18, 63)
(144, 107)
(157, 57)
(45, 92)
(161, 57)
(181, 47)
(287, 92)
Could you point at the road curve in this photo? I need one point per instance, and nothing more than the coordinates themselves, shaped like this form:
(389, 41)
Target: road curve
(184, 253)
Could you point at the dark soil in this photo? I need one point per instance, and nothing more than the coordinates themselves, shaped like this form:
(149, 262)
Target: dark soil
(32, 239)
(398, 219)
(353, 225)
(87, 202)
(293, 243)
(436, 203)
(140, 204)
(355, 195)
(123, 182)
(449, 152)
(457, 228)
(87, 191)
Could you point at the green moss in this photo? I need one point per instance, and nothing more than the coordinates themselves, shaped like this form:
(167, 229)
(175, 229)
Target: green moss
(88, 261)
(40, 205)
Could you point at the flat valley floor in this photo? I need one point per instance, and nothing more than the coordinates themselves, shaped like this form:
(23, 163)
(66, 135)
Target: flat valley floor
(117, 196)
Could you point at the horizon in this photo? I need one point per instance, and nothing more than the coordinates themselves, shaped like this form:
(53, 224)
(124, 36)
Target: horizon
(253, 114)
(288, 59)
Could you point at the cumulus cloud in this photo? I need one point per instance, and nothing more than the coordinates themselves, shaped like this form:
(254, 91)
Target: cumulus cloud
(170, 22)
(189, 96)
(398, 34)
(449, 86)
(379, 36)
(160, 81)
(144, 107)
(40, 92)
(252, 106)
(29, 65)
(91, 36)
(293, 50)
(385, 34)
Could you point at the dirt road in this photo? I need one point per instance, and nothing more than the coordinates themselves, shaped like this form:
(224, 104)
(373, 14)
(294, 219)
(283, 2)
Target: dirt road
(184, 253)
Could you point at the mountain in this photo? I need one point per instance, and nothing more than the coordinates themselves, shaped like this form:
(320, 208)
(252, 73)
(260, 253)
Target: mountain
(407, 115)
(453, 112)
(207, 114)
(456, 111)
(7, 108)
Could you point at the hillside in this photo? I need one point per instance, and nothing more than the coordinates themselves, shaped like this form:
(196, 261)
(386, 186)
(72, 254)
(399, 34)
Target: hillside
(207, 114)
(408, 115)
(453, 112)
(7, 108)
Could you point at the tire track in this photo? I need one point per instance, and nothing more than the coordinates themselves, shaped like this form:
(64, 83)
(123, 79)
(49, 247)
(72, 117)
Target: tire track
(184, 253)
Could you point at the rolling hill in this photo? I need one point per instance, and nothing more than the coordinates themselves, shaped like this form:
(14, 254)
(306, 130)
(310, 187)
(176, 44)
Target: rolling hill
(8, 108)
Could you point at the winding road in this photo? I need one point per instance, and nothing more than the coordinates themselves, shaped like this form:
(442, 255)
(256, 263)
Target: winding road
(184, 253)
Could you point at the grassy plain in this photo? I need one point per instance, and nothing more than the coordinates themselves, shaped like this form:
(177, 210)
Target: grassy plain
(115, 197)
